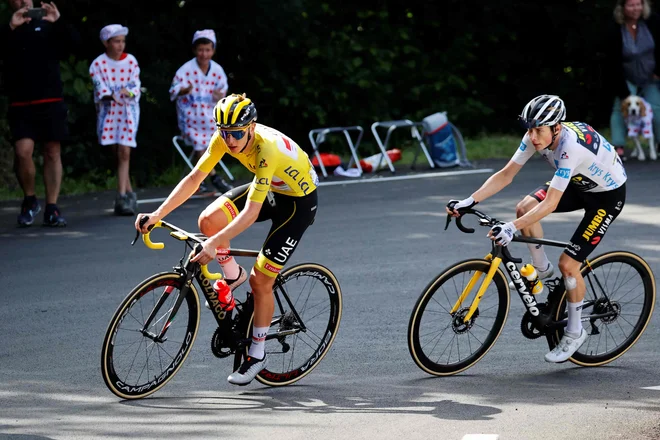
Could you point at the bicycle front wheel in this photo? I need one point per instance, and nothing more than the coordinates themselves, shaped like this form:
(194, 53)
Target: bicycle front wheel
(316, 297)
(621, 286)
(442, 343)
(134, 361)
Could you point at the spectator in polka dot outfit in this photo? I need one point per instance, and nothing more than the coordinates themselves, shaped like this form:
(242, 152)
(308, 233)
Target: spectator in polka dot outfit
(116, 78)
(197, 86)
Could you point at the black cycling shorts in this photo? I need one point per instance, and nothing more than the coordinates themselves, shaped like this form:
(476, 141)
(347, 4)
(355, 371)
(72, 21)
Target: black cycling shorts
(45, 122)
(601, 209)
(290, 215)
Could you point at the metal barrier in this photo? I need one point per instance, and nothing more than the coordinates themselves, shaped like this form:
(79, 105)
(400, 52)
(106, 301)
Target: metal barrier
(393, 125)
(187, 159)
(317, 137)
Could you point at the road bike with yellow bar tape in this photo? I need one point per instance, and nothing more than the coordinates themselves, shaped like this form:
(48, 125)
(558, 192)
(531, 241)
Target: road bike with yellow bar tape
(155, 326)
(461, 313)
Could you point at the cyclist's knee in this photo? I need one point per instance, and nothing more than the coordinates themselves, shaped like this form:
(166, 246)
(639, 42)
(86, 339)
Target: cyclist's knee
(525, 205)
(260, 283)
(211, 222)
(569, 267)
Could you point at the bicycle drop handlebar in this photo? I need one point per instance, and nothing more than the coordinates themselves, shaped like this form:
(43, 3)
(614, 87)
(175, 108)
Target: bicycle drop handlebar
(484, 220)
(177, 233)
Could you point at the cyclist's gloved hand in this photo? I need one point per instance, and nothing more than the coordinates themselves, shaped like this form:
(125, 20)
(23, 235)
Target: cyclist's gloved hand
(151, 220)
(502, 234)
(454, 206)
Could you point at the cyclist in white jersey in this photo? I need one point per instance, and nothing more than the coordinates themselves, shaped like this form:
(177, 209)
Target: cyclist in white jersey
(589, 175)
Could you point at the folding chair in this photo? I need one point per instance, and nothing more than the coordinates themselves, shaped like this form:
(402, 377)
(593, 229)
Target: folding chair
(317, 137)
(393, 125)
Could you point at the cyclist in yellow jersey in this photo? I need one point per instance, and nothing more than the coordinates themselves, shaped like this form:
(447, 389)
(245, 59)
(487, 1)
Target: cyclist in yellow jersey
(282, 168)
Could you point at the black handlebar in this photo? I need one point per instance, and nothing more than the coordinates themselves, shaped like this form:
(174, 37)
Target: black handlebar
(484, 220)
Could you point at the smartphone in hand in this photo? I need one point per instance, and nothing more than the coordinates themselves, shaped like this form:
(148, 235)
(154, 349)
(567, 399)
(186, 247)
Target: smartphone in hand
(35, 13)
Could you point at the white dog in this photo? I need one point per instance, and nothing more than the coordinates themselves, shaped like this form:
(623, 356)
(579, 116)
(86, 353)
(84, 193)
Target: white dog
(638, 114)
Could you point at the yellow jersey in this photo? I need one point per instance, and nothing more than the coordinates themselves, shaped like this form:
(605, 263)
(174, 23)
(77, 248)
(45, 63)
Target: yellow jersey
(278, 163)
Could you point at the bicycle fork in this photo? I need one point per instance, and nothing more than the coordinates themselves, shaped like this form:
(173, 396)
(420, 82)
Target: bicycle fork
(494, 265)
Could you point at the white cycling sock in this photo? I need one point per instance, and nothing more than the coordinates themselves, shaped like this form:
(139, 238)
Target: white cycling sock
(539, 258)
(229, 266)
(258, 346)
(574, 326)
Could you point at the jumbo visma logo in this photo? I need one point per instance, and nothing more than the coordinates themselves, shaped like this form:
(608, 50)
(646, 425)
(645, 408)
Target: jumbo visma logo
(595, 223)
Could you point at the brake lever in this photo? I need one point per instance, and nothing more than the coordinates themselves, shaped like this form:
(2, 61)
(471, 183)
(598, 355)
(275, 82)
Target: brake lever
(143, 220)
(448, 221)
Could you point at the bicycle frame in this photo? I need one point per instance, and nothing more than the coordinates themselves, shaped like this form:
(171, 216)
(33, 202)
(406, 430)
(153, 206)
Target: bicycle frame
(500, 254)
(205, 279)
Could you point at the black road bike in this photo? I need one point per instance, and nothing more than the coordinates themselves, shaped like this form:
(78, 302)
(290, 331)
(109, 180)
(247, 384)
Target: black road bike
(452, 327)
(155, 326)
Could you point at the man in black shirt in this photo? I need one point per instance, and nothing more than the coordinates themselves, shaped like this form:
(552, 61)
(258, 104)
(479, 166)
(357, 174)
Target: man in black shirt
(31, 51)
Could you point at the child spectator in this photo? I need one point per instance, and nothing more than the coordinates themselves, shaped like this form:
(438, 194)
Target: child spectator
(197, 86)
(116, 77)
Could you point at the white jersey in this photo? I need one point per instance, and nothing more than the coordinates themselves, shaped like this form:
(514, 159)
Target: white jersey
(583, 158)
(116, 122)
(195, 110)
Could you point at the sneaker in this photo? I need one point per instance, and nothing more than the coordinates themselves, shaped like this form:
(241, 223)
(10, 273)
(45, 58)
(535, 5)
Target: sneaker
(123, 205)
(132, 201)
(247, 371)
(568, 345)
(28, 211)
(233, 284)
(543, 274)
(220, 184)
(53, 217)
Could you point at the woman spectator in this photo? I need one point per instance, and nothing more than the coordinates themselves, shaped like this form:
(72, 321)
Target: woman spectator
(633, 48)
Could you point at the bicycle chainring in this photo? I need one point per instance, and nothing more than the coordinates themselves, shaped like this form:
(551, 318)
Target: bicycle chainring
(220, 347)
(527, 326)
(458, 324)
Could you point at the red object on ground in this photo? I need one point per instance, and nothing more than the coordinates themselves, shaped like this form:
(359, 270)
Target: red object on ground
(371, 163)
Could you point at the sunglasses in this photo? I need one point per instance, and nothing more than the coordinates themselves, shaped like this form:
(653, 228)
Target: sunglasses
(236, 134)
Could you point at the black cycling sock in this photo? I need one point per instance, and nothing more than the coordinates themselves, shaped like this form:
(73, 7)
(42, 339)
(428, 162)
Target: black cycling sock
(50, 207)
(30, 199)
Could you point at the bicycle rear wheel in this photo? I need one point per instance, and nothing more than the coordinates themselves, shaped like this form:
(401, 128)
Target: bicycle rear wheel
(133, 363)
(315, 294)
(441, 343)
(621, 282)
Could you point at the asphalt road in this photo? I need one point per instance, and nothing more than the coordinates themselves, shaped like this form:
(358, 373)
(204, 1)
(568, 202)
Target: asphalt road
(384, 241)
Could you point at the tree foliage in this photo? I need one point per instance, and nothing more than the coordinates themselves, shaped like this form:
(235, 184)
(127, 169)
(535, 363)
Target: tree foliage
(309, 64)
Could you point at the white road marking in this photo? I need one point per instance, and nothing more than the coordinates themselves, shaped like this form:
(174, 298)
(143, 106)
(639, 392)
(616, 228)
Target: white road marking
(481, 437)
(353, 182)
(656, 388)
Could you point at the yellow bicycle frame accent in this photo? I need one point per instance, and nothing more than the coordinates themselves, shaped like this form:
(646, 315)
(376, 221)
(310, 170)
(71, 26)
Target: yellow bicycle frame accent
(157, 246)
(494, 265)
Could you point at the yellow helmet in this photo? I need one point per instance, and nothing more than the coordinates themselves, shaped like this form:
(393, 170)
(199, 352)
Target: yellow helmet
(234, 112)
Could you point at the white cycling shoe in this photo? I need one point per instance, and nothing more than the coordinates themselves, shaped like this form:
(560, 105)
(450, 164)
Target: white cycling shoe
(566, 347)
(233, 284)
(543, 274)
(247, 371)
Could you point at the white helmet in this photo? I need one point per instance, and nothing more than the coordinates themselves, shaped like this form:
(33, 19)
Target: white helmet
(543, 110)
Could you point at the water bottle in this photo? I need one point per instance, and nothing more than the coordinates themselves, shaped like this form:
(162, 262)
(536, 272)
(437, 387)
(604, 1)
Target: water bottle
(225, 297)
(529, 272)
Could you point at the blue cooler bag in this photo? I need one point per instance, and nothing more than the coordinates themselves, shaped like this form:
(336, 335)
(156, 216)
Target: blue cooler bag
(441, 142)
